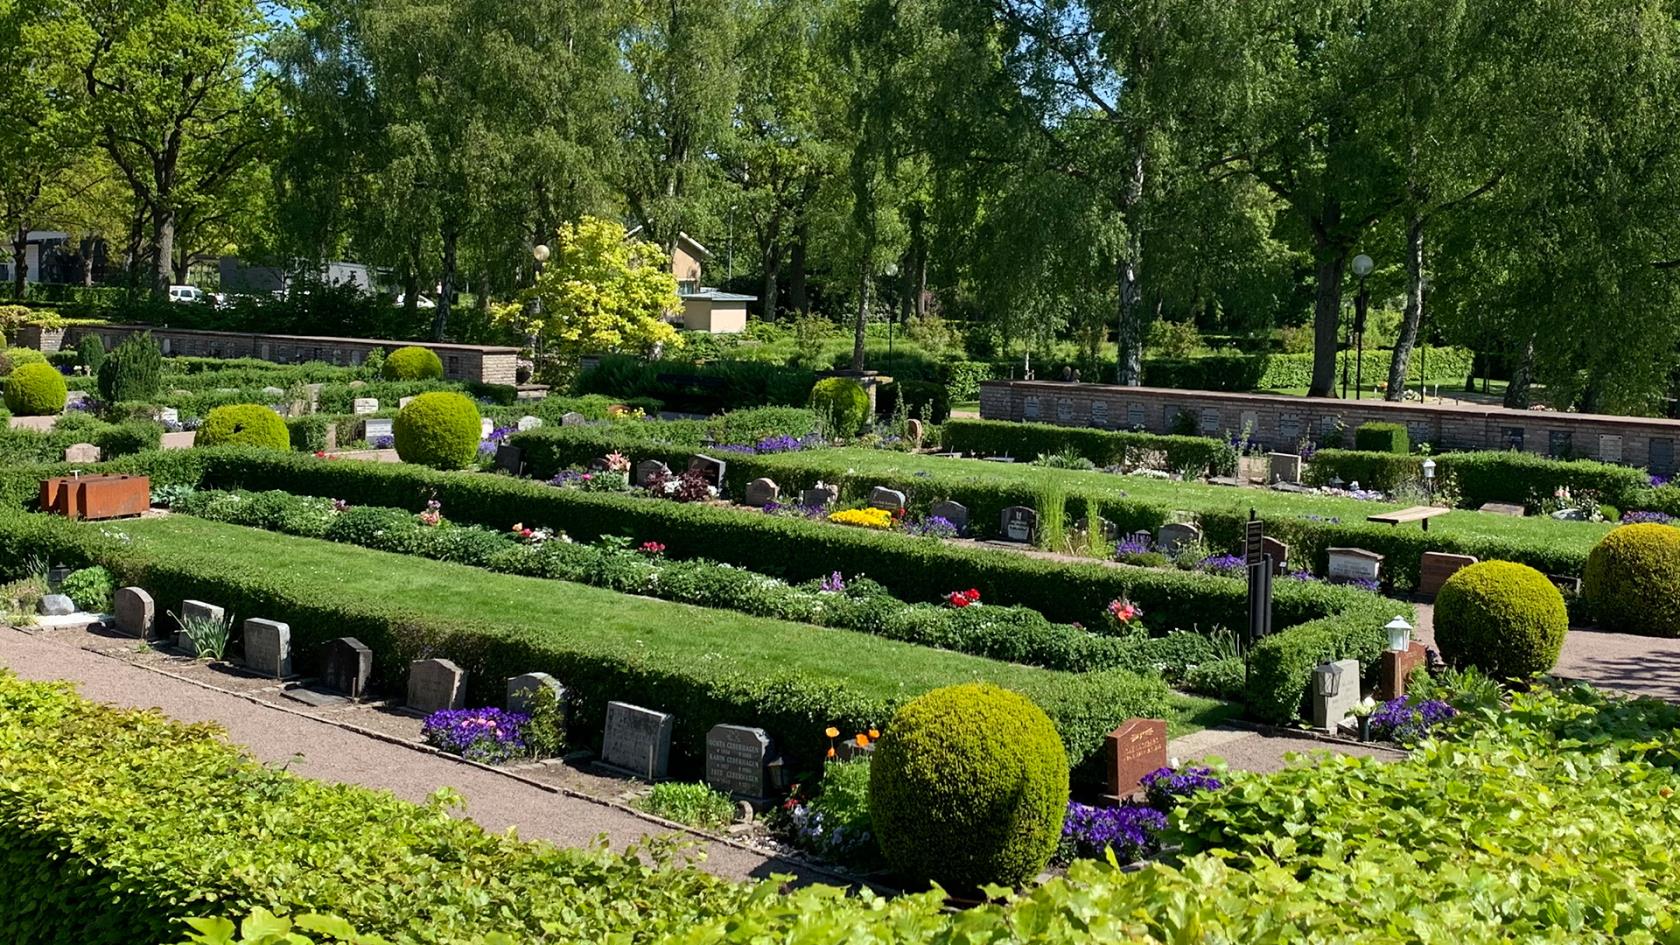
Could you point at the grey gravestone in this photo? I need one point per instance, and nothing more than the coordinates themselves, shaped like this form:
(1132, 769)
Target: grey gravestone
(1286, 467)
(510, 458)
(1504, 508)
(573, 419)
(1019, 524)
(346, 666)
(136, 614)
(709, 469)
(954, 512)
(913, 431)
(821, 496)
(486, 426)
(1354, 564)
(637, 740)
(761, 492)
(81, 453)
(374, 429)
(1330, 711)
(196, 608)
(650, 469)
(529, 422)
(169, 415)
(56, 605)
(1171, 536)
(881, 497)
(403, 401)
(434, 685)
(268, 647)
(522, 691)
(736, 756)
(364, 405)
(1610, 447)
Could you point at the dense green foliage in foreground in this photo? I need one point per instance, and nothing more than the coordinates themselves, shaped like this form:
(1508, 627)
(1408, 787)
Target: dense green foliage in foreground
(1552, 821)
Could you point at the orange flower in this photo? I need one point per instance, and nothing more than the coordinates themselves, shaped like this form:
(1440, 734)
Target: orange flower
(831, 753)
(831, 732)
(873, 734)
(862, 740)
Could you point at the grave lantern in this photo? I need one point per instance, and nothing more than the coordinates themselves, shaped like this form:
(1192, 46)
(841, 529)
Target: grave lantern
(1336, 482)
(1429, 476)
(1329, 678)
(1399, 635)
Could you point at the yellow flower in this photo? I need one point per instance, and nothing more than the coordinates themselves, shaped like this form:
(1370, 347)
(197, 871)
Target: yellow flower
(831, 732)
(862, 740)
(863, 518)
(874, 734)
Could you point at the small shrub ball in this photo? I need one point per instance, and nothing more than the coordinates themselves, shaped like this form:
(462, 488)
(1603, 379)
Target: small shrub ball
(244, 425)
(1505, 619)
(439, 429)
(412, 363)
(969, 786)
(36, 390)
(1632, 581)
(843, 401)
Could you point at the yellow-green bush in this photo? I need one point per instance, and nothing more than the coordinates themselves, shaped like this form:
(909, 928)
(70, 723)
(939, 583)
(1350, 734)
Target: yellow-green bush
(969, 786)
(1506, 619)
(1632, 580)
(842, 402)
(439, 429)
(35, 390)
(412, 363)
(13, 358)
(244, 425)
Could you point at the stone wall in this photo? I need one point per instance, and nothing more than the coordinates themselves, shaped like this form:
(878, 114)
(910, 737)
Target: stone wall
(486, 364)
(1279, 422)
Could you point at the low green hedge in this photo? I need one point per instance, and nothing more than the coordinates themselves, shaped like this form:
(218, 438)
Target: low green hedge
(1382, 438)
(1104, 447)
(1383, 472)
(1243, 372)
(1480, 477)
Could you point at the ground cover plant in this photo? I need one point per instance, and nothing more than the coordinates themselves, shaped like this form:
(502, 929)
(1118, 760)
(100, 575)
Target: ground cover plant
(707, 666)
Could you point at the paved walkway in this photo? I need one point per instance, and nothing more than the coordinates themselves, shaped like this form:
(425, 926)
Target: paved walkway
(320, 750)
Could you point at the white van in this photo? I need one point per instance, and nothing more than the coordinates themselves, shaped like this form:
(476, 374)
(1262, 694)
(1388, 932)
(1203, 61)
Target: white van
(186, 293)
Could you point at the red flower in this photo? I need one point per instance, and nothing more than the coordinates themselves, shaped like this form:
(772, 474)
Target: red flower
(958, 600)
(972, 595)
(652, 548)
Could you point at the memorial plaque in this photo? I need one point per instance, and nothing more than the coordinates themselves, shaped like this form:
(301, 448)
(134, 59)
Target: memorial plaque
(650, 469)
(736, 759)
(1660, 455)
(761, 492)
(1250, 423)
(1504, 508)
(1610, 447)
(522, 691)
(364, 405)
(1064, 410)
(375, 429)
(346, 665)
(1137, 417)
(268, 647)
(1285, 467)
(81, 453)
(1099, 413)
(1335, 692)
(892, 500)
(1135, 749)
(1289, 427)
(1354, 564)
(1209, 422)
(637, 740)
(1029, 407)
(954, 512)
(136, 614)
(1020, 524)
(1560, 444)
(169, 415)
(434, 685)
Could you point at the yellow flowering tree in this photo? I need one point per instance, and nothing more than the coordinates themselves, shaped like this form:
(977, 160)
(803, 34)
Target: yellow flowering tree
(599, 292)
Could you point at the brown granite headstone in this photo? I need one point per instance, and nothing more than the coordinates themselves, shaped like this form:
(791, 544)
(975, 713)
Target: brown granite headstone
(1136, 748)
(1397, 667)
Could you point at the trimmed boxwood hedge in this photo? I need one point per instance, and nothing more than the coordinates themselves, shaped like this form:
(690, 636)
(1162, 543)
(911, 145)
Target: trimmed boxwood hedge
(1103, 447)
(1492, 476)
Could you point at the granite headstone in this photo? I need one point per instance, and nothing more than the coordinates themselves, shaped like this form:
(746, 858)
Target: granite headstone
(637, 740)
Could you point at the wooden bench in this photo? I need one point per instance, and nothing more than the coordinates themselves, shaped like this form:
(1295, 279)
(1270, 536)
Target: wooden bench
(1417, 513)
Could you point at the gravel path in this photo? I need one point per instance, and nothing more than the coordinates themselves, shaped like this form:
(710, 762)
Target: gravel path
(317, 749)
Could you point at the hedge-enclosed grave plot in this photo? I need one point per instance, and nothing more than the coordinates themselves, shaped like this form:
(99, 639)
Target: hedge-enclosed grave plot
(706, 666)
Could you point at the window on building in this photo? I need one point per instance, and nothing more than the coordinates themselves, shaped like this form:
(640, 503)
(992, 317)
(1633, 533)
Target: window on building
(687, 286)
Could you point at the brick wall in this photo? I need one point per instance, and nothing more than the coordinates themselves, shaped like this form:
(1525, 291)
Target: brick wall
(1279, 422)
(486, 364)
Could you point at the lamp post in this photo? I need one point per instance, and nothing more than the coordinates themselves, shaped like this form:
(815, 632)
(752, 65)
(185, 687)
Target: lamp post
(539, 254)
(1362, 266)
(1429, 477)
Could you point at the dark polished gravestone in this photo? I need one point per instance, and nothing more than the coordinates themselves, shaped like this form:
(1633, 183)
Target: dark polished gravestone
(709, 469)
(637, 740)
(1136, 748)
(650, 469)
(954, 512)
(510, 459)
(892, 500)
(346, 665)
(737, 759)
(1020, 525)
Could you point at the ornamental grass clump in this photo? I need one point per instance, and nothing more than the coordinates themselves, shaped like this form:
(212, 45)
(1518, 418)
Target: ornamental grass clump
(487, 735)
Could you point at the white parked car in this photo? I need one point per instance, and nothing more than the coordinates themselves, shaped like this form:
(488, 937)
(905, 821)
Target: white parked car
(187, 293)
(420, 301)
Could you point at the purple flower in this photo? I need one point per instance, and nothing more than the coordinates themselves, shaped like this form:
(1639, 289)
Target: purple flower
(1129, 831)
(934, 526)
(1222, 564)
(1406, 722)
(487, 735)
(1138, 544)
(834, 583)
(1659, 481)
(382, 442)
(1301, 576)
(1647, 518)
(1166, 787)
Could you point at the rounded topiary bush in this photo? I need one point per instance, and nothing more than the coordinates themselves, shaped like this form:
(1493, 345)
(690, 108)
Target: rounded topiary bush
(413, 363)
(13, 358)
(1505, 619)
(843, 402)
(1632, 581)
(244, 425)
(969, 785)
(439, 429)
(35, 390)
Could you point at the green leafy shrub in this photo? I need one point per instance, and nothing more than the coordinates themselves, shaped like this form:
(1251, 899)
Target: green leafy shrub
(1382, 438)
(91, 589)
(124, 439)
(412, 363)
(13, 358)
(1383, 472)
(692, 805)
(1505, 619)
(90, 352)
(244, 425)
(438, 429)
(1198, 454)
(132, 371)
(36, 390)
(968, 787)
(842, 402)
(1632, 580)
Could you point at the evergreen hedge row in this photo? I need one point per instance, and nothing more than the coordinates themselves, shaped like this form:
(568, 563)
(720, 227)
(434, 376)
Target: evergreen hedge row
(1024, 441)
